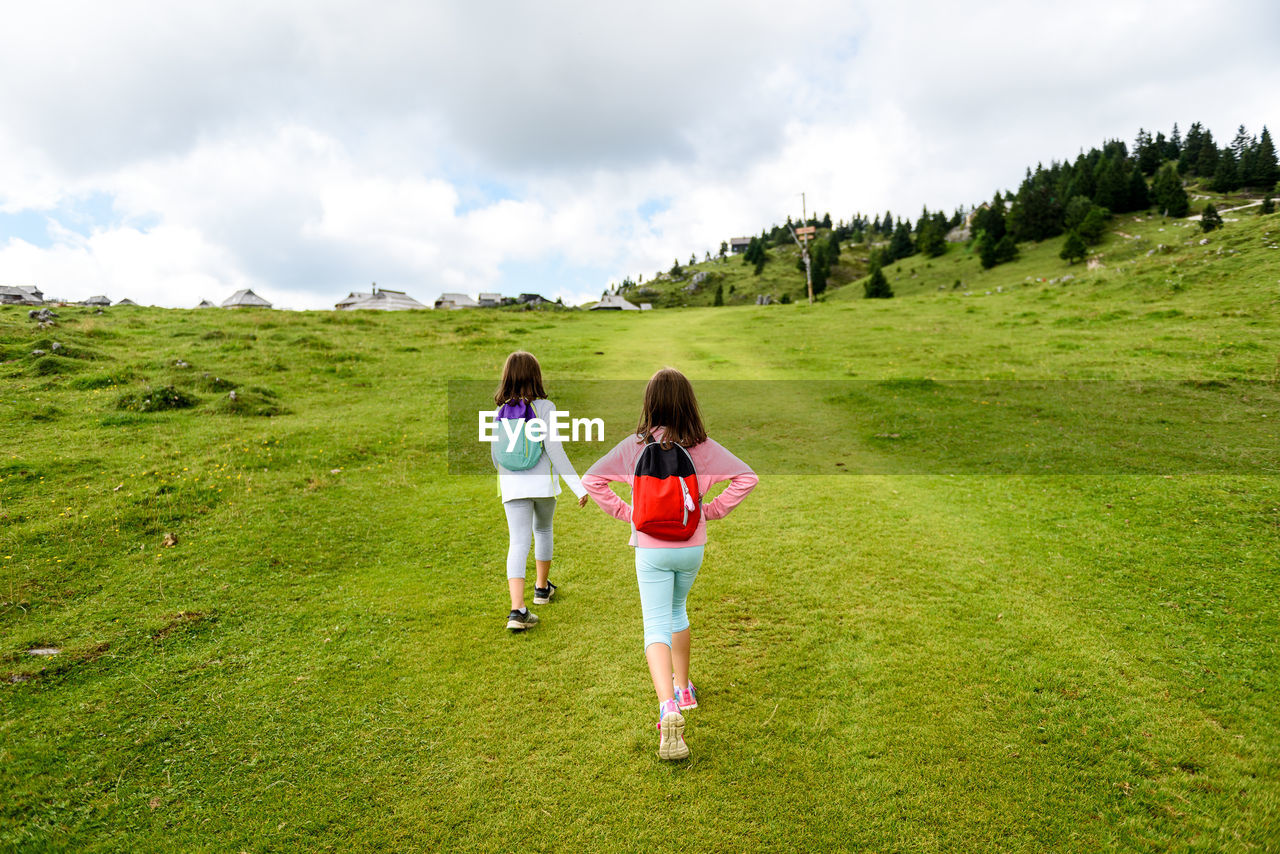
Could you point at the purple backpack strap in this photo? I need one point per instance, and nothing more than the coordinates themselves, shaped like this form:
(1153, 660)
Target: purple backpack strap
(519, 409)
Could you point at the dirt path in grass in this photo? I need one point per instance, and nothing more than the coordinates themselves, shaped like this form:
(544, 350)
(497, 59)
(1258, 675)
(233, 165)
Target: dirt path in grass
(1196, 218)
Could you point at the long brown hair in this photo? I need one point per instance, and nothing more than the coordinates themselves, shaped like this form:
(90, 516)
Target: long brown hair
(521, 379)
(669, 403)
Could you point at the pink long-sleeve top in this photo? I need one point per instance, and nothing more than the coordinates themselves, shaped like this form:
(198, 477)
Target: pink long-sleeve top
(713, 463)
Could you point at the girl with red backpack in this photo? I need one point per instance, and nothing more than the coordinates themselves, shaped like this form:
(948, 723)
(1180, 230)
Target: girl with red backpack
(669, 463)
(527, 478)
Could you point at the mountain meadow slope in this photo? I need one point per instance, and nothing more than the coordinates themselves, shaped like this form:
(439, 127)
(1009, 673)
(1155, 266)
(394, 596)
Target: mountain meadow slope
(278, 617)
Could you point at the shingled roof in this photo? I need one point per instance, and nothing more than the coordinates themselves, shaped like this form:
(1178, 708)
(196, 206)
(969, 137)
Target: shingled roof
(245, 298)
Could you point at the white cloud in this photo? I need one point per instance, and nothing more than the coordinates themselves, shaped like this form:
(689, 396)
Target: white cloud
(164, 266)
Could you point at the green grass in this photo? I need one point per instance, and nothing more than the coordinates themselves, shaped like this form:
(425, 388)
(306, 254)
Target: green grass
(927, 662)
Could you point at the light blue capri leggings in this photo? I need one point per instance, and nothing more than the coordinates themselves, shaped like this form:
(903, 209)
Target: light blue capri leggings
(528, 519)
(665, 576)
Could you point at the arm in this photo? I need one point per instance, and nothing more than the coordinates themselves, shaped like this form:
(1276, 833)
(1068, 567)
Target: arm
(610, 468)
(742, 480)
(560, 463)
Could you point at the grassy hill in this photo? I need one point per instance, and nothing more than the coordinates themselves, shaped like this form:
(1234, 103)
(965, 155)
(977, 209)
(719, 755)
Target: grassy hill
(1129, 237)
(909, 660)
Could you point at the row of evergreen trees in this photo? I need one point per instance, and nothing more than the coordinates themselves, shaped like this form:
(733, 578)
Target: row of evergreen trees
(1248, 162)
(1113, 180)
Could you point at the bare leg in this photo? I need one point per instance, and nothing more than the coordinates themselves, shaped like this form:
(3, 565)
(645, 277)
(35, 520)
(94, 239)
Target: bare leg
(517, 593)
(659, 656)
(544, 569)
(680, 642)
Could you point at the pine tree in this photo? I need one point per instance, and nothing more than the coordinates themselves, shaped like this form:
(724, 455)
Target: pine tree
(991, 218)
(1268, 206)
(1083, 178)
(1167, 190)
(985, 246)
(719, 299)
(1148, 151)
(1073, 249)
(1207, 160)
(1241, 144)
(1174, 148)
(1246, 165)
(1190, 156)
(1137, 197)
(826, 220)
(1075, 212)
(1210, 219)
(820, 269)
(833, 250)
(676, 271)
(1036, 212)
(1094, 224)
(1006, 249)
(900, 245)
(1265, 169)
(932, 241)
(877, 286)
(724, 249)
(1226, 176)
(1112, 184)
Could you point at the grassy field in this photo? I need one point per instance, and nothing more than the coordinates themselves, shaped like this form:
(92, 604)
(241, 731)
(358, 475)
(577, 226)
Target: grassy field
(890, 662)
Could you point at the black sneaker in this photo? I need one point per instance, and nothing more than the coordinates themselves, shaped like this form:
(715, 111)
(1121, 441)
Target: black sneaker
(518, 622)
(542, 595)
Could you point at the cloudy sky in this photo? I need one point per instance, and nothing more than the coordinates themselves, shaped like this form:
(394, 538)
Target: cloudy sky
(170, 152)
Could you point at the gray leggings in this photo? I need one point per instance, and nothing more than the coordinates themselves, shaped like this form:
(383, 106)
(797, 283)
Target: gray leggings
(528, 518)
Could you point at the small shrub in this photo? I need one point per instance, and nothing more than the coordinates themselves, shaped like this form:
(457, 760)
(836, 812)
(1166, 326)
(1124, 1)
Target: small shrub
(312, 342)
(103, 380)
(156, 399)
(220, 335)
(39, 412)
(250, 403)
(212, 382)
(46, 366)
(1210, 219)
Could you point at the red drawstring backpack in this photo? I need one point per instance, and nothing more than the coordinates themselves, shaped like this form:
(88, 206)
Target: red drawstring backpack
(664, 495)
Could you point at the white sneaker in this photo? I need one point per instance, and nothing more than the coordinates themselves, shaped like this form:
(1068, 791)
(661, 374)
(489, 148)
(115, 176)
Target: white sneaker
(671, 733)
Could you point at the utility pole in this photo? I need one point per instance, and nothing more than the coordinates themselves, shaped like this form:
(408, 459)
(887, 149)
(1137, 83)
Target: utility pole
(804, 247)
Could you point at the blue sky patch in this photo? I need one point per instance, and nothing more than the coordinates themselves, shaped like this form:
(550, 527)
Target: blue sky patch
(80, 215)
(30, 226)
(652, 207)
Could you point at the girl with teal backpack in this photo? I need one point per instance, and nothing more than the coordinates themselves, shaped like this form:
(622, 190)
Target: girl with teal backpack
(529, 479)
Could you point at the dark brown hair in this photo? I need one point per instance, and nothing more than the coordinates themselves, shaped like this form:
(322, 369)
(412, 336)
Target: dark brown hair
(521, 380)
(669, 403)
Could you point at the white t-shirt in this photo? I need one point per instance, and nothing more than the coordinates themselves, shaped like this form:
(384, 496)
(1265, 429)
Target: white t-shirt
(541, 481)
